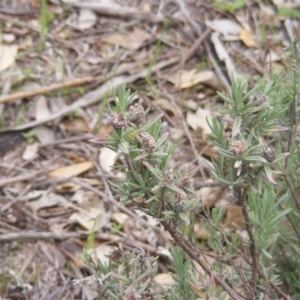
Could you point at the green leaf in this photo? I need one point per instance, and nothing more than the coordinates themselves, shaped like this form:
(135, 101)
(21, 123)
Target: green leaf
(143, 287)
(176, 190)
(169, 215)
(138, 178)
(184, 219)
(255, 158)
(157, 173)
(124, 147)
(288, 12)
(230, 7)
(267, 254)
(226, 153)
(269, 174)
(236, 129)
(226, 99)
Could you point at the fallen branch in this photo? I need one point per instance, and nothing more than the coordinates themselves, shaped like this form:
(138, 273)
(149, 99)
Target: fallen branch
(18, 12)
(22, 177)
(114, 10)
(48, 89)
(33, 235)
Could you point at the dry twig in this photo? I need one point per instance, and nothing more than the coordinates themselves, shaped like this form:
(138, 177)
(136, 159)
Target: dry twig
(33, 235)
(48, 89)
(28, 176)
(117, 11)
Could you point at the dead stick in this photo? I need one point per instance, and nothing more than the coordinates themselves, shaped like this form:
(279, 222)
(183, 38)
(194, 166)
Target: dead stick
(95, 96)
(48, 89)
(38, 236)
(195, 46)
(117, 11)
(32, 235)
(21, 177)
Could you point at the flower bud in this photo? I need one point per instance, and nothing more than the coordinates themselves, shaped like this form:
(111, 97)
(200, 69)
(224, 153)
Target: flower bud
(118, 121)
(182, 182)
(237, 147)
(178, 207)
(149, 142)
(129, 294)
(260, 97)
(137, 113)
(269, 154)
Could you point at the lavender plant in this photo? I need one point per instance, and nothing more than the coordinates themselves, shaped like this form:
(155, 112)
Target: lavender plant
(257, 137)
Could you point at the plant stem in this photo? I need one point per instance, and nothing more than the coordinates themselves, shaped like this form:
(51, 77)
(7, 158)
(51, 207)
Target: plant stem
(242, 198)
(191, 250)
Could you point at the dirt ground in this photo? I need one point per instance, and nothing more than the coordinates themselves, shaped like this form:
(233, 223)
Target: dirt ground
(59, 63)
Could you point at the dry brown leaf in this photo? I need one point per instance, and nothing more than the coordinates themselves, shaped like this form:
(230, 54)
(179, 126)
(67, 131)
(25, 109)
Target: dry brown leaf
(44, 134)
(58, 227)
(247, 38)
(100, 253)
(67, 187)
(76, 158)
(222, 53)
(31, 151)
(107, 51)
(8, 37)
(87, 199)
(199, 120)
(72, 170)
(228, 28)
(34, 195)
(165, 280)
(131, 40)
(25, 43)
(75, 125)
(273, 56)
(36, 3)
(42, 111)
(210, 195)
(87, 19)
(107, 159)
(46, 200)
(189, 78)
(234, 218)
(94, 60)
(7, 56)
(191, 104)
(91, 220)
(92, 181)
(119, 217)
(146, 8)
(200, 232)
(92, 215)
